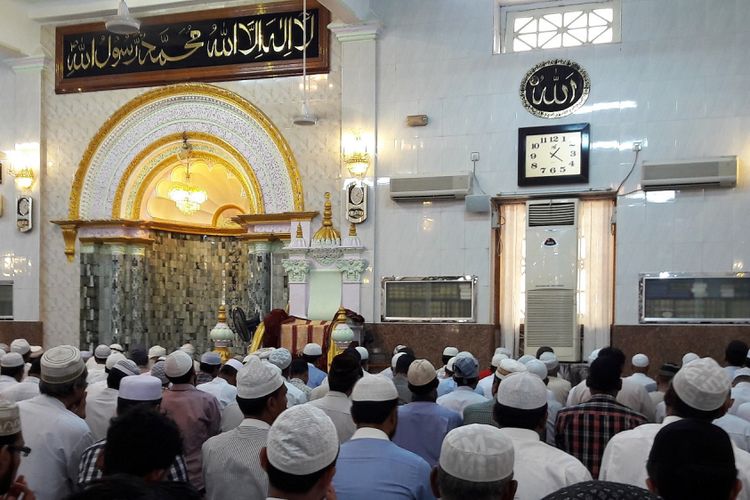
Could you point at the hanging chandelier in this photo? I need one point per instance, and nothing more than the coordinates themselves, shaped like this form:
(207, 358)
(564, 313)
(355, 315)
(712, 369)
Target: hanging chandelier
(187, 197)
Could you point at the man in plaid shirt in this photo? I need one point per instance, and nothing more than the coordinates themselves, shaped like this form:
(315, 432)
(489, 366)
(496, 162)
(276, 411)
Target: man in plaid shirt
(585, 429)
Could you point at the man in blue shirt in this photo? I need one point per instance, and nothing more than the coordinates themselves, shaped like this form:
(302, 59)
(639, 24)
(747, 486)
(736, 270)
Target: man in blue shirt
(370, 466)
(315, 375)
(422, 424)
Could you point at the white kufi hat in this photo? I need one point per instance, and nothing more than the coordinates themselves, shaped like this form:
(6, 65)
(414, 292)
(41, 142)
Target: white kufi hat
(257, 379)
(702, 384)
(302, 440)
(523, 391)
(376, 388)
(477, 453)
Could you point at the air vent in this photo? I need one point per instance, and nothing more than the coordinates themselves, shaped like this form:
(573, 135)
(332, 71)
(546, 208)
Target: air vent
(549, 316)
(449, 187)
(695, 174)
(552, 214)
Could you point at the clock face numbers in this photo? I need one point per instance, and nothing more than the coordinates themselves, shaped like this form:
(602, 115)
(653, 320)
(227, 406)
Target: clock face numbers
(549, 155)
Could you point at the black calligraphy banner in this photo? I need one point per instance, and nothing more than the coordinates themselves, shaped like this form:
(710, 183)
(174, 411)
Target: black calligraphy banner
(226, 44)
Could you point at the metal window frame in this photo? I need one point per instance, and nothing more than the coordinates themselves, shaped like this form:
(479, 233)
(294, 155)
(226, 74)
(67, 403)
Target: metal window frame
(472, 279)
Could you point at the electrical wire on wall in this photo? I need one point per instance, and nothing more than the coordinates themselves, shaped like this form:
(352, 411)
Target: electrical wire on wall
(632, 168)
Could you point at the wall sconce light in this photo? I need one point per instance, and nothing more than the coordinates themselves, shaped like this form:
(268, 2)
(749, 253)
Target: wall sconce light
(24, 178)
(355, 155)
(23, 158)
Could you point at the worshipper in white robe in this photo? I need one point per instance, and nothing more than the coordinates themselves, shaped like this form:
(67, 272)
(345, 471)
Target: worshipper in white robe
(400, 377)
(370, 465)
(221, 387)
(700, 390)
(740, 389)
(691, 459)
(53, 425)
(101, 406)
(448, 353)
(388, 372)
(640, 364)
(465, 373)
(484, 386)
(344, 372)
(96, 369)
(539, 369)
(364, 359)
(632, 394)
(311, 353)
(11, 371)
(28, 387)
(12, 448)
(298, 376)
(282, 359)
(112, 360)
(300, 457)
(422, 423)
(447, 384)
(482, 413)
(521, 414)
(154, 353)
(663, 379)
(231, 461)
(476, 461)
(22, 347)
(737, 428)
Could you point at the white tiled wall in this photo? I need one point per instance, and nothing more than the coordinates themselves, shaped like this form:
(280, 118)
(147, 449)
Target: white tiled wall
(684, 65)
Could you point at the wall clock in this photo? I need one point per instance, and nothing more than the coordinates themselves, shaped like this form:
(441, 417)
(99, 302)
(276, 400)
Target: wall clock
(557, 154)
(356, 202)
(555, 88)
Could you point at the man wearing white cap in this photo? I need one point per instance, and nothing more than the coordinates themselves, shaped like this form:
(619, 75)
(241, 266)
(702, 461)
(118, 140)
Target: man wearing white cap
(298, 374)
(209, 367)
(558, 385)
(154, 353)
(640, 364)
(447, 384)
(521, 413)
(400, 377)
(700, 390)
(370, 465)
(364, 359)
(117, 347)
(311, 353)
(11, 449)
(96, 367)
(101, 406)
(196, 413)
(28, 387)
(448, 353)
(465, 373)
(482, 413)
(11, 370)
(345, 371)
(282, 359)
(476, 461)
(231, 461)
(538, 368)
(135, 391)
(300, 457)
(53, 425)
(388, 372)
(484, 386)
(220, 387)
(422, 424)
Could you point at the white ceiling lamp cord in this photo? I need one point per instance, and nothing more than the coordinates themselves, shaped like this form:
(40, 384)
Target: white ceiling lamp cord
(306, 118)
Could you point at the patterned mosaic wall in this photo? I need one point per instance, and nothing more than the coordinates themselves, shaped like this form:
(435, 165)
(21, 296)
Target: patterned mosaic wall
(71, 121)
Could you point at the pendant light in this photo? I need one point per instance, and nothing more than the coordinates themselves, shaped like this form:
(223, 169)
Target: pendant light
(306, 118)
(123, 23)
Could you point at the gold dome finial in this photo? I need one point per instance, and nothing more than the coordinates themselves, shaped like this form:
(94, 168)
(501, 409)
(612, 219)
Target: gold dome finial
(352, 229)
(222, 314)
(299, 234)
(327, 233)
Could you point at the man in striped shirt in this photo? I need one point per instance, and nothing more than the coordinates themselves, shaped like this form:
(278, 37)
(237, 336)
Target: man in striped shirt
(585, 429)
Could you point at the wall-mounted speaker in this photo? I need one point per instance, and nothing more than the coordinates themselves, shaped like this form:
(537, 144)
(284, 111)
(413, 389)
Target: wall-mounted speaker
(478, 203)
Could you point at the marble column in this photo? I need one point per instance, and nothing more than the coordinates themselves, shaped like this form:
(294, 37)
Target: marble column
(113, 306)
(90, 268)
(135, 295)
(259, 280)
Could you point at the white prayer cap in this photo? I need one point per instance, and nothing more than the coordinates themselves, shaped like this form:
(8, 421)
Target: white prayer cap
(363, 354)
(421, 372)
(477, 453)
(10, 418)
(112, 360)
(398, 348)
(157, 351)
(742, 372)
(36, 351)
(158, 371)
(12, 360)
(281, 358)
(508, 366)
(102, 351)
(702, 384)
(4, 347)
(234, 364)
(211, 358)
(178, 364)
(116, 347)
(537, 368)
(464, 354)
(450, 363)
(312, 349)
(450, 351)
(394, 359)
(257, 379)
(525, 358)
(62, 364)
(504, 350)
(640, 360)
(302, 440)
(594, 354)
(140, 388)
(689, 357)
(497, 358)
(21, 346)
(127, 367)
(523, 391)
(550, 360)
(374, 388)
(2, 353)
(188, 348)
(264, 352)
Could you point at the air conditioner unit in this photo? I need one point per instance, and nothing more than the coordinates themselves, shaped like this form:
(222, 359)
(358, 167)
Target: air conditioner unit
(552, 277)
(450, 187)
(687, 174)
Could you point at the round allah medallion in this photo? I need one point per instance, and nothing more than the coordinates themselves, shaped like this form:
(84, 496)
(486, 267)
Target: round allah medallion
(555, 88)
